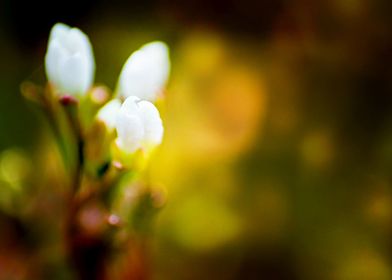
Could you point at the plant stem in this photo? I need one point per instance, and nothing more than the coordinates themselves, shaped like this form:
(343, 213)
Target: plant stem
(86, 253)
(71, 111)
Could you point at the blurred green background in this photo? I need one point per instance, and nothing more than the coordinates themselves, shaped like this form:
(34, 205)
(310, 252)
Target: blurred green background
(277, 156)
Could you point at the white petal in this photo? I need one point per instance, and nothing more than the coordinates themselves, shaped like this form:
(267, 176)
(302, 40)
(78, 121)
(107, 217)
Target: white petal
(134, 76)
(130, 105)
(59, 31)
(130, 132)
(78, 42)
(153, 128)
(54, 55)
(145, 72)
(108, 113)
(74, 75)
(159, 53)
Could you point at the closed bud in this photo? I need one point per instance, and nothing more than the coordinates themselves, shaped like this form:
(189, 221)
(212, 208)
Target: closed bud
(69, 60)
(138, 125)
(146, 72)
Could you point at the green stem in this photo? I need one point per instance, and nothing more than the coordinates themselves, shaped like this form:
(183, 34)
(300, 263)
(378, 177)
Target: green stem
(54, 127)
(71, 112)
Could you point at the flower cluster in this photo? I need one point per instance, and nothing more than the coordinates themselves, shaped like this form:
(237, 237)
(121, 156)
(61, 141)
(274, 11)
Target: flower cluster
(104, 139)
(70, 68)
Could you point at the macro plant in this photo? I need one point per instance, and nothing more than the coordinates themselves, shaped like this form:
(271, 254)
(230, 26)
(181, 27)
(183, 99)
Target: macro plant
(105, 140)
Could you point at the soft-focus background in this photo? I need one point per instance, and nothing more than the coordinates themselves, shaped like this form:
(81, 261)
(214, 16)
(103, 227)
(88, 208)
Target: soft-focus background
(277, 157)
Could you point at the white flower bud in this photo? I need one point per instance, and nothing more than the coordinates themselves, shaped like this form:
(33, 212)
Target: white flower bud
(146, 72)
(138, 125)
(108, 113)
(69, 60)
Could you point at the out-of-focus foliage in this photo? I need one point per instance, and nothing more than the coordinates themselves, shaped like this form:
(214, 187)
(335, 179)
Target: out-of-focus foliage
(277, 155)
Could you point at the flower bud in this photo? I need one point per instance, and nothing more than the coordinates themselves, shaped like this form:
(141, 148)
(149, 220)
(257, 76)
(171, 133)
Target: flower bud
(138, 125)
(69, 60)
(108, 113)
(146, 72)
